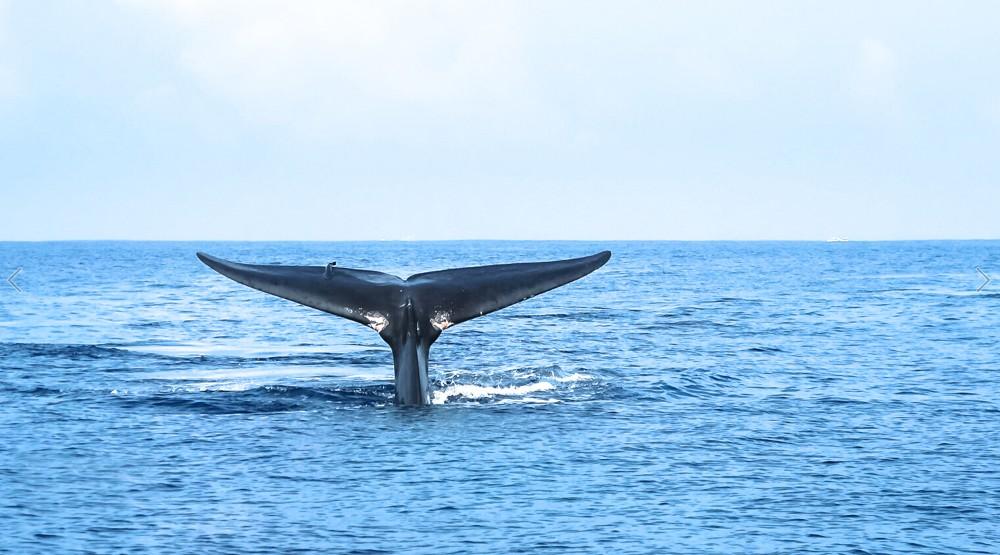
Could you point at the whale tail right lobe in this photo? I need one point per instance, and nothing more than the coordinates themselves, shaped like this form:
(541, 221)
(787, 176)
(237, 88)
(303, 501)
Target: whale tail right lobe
(461, 294)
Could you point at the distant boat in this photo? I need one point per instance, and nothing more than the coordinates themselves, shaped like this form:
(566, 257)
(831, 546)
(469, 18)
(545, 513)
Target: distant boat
(837, 240)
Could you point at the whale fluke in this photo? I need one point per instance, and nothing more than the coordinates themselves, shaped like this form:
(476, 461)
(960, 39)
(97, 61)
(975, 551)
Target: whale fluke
(409, 314)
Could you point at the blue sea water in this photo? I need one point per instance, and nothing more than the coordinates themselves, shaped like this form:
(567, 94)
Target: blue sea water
(741, 397)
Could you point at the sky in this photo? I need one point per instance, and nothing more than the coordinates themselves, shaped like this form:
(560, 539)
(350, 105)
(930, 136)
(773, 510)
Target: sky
(249, 120)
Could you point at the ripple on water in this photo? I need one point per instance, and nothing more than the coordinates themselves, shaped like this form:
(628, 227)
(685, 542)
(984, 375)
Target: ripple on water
(688, 397)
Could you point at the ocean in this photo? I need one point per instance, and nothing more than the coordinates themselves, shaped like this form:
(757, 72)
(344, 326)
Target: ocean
(688, 397)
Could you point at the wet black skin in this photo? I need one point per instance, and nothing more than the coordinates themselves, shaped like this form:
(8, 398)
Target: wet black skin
(410, 335)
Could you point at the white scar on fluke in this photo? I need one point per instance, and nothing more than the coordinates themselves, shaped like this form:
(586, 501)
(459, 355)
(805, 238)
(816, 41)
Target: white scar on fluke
(441, 321)
(376, 321)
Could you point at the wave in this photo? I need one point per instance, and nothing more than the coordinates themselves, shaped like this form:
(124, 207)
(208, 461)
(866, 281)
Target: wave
(185, 377)
(764, 349)
(244, 350)
(59, 350)
(248, 398)
(575, 377)
(256, 399)
(245, 374)
(166, 361)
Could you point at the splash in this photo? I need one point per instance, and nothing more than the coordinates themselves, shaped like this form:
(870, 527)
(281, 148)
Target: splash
(470, 391)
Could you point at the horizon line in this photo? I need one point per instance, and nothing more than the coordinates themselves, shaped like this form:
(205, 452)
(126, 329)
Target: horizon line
(831, 240)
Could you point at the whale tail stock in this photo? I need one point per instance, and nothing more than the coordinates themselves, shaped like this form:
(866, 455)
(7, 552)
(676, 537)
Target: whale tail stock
(409, 314)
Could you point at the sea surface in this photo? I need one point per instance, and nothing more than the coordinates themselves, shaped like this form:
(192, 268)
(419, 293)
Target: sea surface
(744, 397)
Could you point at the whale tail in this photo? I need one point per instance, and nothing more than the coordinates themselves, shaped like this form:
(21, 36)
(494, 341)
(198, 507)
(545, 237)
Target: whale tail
(454, 296)
(409, 314)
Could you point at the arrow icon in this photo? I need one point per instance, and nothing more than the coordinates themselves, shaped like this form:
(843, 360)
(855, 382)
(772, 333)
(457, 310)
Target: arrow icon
(981, 272)
(10, 280)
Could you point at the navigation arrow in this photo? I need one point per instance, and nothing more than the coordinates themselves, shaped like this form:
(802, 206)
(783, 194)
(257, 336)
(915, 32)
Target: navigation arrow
(978, 269)
(10, 280)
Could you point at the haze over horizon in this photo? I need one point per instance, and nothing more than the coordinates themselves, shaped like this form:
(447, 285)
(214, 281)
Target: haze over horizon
(184, 120)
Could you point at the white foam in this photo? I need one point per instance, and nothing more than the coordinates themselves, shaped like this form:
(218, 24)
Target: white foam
(470, 391)
(576, 377)
(227, 387)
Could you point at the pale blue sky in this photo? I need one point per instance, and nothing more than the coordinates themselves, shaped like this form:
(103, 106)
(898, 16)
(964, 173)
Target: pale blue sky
(514, 120)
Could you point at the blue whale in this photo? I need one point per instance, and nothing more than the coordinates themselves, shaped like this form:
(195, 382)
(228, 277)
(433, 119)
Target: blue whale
(409, 314)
